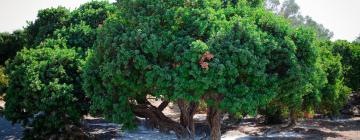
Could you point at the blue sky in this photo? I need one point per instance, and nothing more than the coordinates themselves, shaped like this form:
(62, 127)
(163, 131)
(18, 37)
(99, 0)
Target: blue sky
(340, 16)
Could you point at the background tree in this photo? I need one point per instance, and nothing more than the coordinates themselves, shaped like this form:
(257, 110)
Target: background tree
(357, 40)
(77, 35)
(92, 13)
(48, 20)
(350, 60)
(10, 43)
(290, 10)
(334, 94)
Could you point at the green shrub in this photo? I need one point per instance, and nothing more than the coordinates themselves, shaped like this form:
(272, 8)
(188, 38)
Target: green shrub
(44, 91)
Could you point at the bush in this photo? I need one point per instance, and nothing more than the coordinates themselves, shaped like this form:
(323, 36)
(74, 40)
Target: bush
(44, 91)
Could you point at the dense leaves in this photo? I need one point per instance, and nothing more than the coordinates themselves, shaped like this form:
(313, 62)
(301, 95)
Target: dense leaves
(92, 13)
(232, 55)
(236, 57)
(48, 20)
(78, 35)
(44, 90)
(334, 94)
(350, 53)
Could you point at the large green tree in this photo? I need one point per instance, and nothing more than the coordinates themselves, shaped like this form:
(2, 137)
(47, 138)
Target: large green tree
(234, 55)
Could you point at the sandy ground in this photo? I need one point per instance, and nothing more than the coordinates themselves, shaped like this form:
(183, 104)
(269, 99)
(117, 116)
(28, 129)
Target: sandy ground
(317, 129)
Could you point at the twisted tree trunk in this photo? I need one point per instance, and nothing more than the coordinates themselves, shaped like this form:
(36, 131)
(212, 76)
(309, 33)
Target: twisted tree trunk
(158, 120)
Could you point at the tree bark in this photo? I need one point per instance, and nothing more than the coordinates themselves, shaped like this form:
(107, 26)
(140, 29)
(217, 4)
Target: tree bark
(158, 120)
(188, 111)
(163, 105)
(214, 116)
(292, 119)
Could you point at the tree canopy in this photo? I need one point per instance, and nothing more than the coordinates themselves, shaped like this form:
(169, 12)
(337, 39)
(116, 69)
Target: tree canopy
(236, 57)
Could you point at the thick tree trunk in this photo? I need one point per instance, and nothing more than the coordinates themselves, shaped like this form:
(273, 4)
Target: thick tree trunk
(292, 119)
(158, 120)
(214, 118)
(188, 111)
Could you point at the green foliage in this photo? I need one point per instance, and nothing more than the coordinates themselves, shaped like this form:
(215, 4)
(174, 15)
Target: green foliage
(44, 87)
(44, 90)
(10, 44)
(3, 80)
(79, 35)
(48, 20)
(193, 50)
(93, 13)
(350, 53)
(52, 22)
(334, 94)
